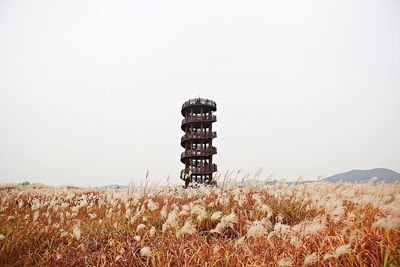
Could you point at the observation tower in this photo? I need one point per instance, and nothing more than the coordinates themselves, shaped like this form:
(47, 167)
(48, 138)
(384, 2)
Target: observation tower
(197, 141)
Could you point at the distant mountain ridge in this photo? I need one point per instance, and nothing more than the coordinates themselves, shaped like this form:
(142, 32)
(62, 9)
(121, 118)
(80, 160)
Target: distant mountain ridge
(353, 176)
(382, 174)
(114, 186)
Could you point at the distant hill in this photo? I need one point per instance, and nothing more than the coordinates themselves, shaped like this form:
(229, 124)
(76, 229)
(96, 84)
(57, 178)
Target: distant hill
(114, 186)
(383, 175)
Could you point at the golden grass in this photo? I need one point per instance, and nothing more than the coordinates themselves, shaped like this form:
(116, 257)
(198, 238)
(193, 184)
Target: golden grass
(305, 224)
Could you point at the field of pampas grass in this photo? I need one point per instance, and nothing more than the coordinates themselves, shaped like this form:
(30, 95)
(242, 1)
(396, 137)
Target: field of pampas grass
(316, 224)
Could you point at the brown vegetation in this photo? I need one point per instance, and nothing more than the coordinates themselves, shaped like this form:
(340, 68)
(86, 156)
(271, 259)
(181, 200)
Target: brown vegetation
(299, 225)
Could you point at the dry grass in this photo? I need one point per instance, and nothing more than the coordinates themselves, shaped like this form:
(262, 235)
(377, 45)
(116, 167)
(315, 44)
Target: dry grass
(299, 225)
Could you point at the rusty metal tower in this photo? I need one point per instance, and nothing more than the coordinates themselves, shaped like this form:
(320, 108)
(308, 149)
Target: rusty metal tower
(197, 141)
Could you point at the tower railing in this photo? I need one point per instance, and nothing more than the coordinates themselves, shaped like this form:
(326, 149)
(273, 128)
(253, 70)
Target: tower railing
(199, 101)
(200, 135)
(199, 152)
(191, 119)
(205, 169)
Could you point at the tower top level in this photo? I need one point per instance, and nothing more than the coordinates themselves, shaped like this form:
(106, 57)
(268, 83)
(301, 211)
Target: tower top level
(197, 102)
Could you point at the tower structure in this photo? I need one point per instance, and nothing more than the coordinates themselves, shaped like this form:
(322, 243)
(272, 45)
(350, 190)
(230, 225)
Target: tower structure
(197, 141)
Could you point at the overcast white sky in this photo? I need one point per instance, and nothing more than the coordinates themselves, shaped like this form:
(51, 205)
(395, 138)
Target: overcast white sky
(91, 91)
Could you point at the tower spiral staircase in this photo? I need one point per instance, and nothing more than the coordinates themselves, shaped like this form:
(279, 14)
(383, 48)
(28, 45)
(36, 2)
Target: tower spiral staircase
(197, 141)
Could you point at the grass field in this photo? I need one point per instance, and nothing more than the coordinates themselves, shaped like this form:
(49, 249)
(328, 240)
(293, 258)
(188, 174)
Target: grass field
(317, 224)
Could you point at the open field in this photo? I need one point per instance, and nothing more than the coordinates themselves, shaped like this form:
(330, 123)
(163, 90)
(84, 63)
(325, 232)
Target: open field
(316, 224)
